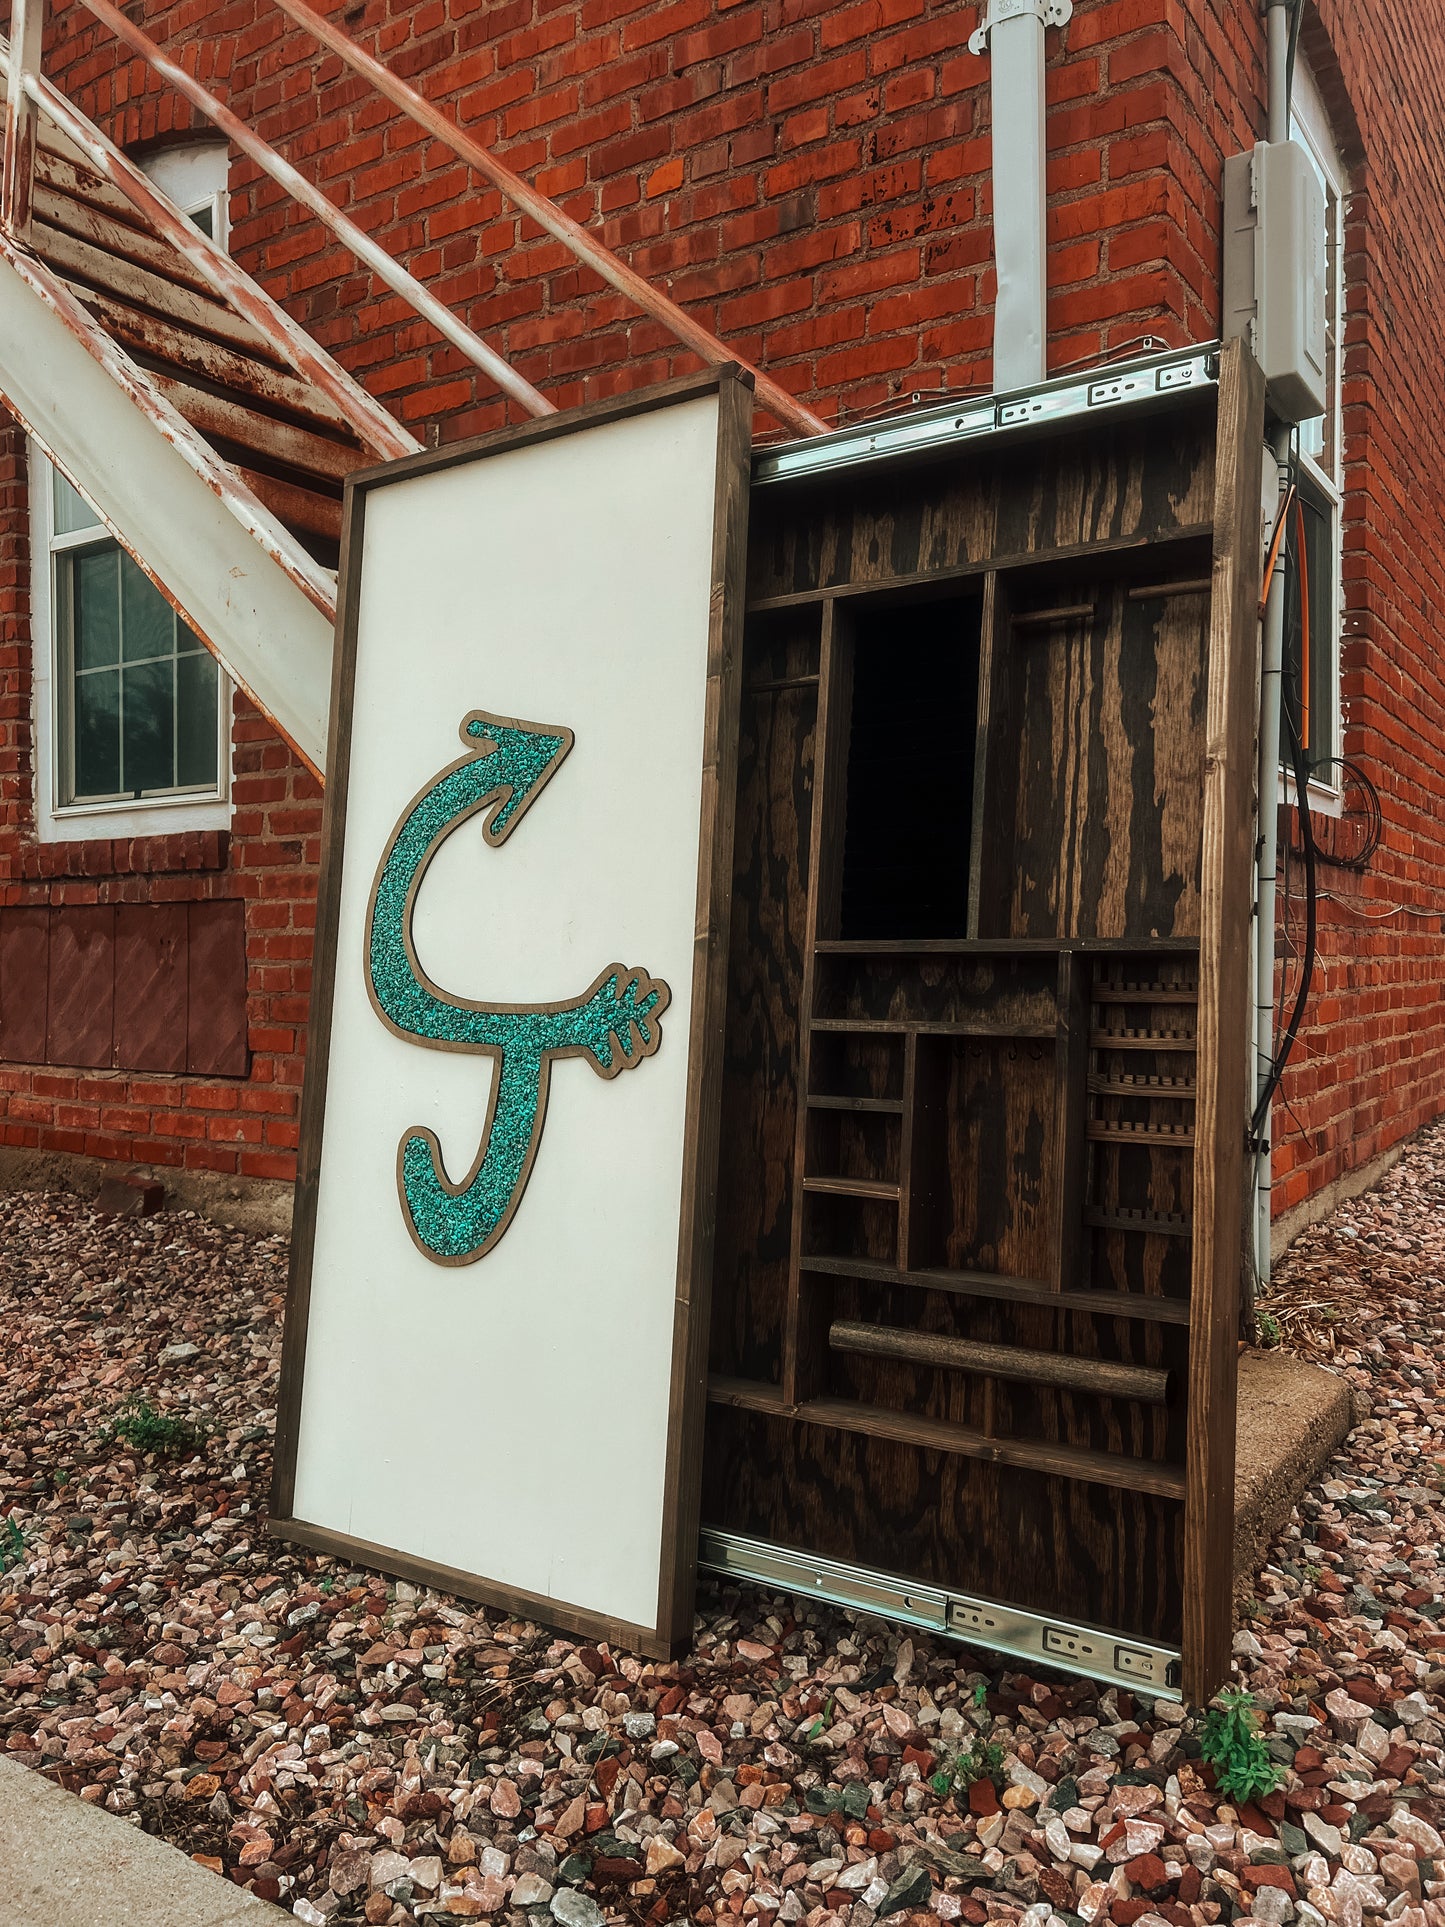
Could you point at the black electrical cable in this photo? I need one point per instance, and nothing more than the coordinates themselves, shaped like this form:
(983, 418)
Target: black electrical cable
(1258, 1124)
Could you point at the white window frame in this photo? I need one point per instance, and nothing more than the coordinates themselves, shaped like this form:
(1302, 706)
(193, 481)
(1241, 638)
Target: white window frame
(195, 177)
(1310, 126)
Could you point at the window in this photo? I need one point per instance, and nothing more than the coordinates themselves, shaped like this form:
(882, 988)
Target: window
(1312, 667)
(134, 711)
(195, 177)
(138, 710)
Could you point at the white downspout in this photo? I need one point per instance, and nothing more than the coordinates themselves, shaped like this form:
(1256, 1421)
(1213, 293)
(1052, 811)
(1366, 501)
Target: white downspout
(1012, 31)
(1271, 678)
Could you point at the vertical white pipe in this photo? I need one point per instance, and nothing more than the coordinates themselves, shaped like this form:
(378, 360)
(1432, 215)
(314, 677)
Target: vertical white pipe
(1271, 680)
(1019, 200)
(1271, 683)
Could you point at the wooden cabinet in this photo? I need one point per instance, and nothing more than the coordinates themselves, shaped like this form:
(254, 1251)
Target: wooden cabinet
(975, 1293)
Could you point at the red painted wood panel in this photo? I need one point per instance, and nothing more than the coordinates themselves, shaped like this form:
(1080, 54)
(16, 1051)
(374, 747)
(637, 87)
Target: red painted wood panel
(150, 986)
(216, 1022)
(80, 1024)
(24, 989)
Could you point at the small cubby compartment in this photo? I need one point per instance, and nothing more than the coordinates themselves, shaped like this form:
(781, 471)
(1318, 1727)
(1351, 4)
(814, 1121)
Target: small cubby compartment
(782, 651)
(1093, 749)
(849, 1222)
(855, 1069)
(858, 1147)
(912, 671)
(928, 985)
(985, 1160)
(1140, 1132)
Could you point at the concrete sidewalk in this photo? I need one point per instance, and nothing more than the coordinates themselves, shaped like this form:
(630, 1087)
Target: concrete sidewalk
(66, 1864)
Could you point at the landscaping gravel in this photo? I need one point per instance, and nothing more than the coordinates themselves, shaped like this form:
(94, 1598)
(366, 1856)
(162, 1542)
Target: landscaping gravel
(359, 1750)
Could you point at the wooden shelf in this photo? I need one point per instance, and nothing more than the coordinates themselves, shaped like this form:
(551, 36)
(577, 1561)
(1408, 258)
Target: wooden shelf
(875, 1190)
(1160, 1040)
(1164, 1136)
(928, 1027)
(1188, 536)
(1122, 994)
(888, 1106)
(747, 1395)
(1004, 947)
(1180, 1089)
(1138, 1221)
(1013, 1291)
(937, 1435)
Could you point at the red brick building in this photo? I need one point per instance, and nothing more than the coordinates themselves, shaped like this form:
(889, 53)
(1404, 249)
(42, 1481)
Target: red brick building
(811, 179)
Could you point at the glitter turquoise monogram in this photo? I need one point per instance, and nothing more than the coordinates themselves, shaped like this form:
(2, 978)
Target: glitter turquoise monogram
(614, 1024)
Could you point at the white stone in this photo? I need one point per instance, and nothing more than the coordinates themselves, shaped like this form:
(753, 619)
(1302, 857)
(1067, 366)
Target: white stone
(1324, 1834)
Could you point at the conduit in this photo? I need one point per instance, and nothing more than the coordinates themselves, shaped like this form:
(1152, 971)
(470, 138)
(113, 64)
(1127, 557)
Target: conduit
(1271, 680)
(1012, 31)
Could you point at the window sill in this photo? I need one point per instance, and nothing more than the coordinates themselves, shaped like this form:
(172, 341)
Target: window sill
(1323, 800)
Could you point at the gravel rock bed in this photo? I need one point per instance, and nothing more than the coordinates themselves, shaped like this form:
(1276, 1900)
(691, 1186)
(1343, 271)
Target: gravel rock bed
(358, 1750)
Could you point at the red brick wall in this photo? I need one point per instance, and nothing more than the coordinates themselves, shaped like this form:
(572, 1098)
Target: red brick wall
(228, 1126)
(810, 177)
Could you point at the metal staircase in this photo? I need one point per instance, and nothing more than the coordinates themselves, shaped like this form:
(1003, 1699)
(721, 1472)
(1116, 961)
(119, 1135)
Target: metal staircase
(206, 429)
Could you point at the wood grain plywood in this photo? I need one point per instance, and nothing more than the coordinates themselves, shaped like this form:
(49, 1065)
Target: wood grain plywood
(216, 980)
(150, 986)
(81, 1018)
(24, 982)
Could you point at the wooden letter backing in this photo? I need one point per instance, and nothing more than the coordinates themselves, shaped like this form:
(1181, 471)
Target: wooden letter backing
(543, 1389)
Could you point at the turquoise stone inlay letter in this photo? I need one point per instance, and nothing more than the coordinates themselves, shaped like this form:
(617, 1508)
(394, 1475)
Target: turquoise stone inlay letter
(613, 1024)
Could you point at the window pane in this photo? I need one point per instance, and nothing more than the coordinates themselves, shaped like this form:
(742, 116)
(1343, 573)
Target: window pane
(96, 608)
(71, 511)
(205, 218)
(196, 724)
(97, 734)
(1308, 693)
(147, 624)
(149, 727)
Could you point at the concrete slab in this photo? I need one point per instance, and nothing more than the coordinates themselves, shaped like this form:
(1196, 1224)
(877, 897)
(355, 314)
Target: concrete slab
(1292, 1417)
(66, 1864)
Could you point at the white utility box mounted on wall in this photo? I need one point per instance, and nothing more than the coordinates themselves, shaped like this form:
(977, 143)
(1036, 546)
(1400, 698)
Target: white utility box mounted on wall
(1275, 272)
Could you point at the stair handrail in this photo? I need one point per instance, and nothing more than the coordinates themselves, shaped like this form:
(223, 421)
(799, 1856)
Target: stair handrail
(595, 254)
(373, 425)
(360, 244)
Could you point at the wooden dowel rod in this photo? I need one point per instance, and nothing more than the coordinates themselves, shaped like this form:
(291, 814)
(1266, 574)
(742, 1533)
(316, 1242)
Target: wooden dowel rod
(1147, 592)
(1098, 1375)
(781, 682)
(1046, 618)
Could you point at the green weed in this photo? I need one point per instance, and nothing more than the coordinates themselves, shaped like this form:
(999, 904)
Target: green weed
(1267, 1329)
(1232, 1741)
(12, 1545)
(140, 1426)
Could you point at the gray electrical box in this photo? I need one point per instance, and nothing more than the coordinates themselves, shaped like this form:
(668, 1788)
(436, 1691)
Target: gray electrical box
(1275, 272)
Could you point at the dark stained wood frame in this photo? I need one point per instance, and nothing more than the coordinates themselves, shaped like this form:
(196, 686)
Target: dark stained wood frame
(1226, 897)
(1199, 1471)
(688, 1387)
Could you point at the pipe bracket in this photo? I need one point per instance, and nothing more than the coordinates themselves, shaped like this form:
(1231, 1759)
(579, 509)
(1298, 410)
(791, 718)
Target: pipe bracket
(1053, 13)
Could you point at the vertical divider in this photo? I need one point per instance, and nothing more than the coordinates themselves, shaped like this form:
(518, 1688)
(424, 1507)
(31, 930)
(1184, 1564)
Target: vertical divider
(910, 1201)
(992, 718)
(1071, 1072)
(805, 1323)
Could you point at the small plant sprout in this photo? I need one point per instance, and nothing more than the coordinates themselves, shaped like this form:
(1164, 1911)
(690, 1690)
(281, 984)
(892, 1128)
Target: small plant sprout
(1267, 1329)
(12, 1544)
(140, 1426)
(1232, 1742)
